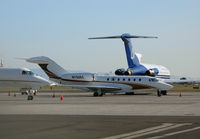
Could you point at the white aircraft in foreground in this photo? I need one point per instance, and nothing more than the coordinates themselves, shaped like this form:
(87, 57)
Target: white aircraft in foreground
(99, 84)
(22, 78)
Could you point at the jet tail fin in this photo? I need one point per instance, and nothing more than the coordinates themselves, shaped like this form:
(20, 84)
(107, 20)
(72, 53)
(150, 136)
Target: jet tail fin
(51, 68)
(133, 58)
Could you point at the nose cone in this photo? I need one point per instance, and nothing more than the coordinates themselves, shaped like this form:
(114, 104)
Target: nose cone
(168, 86)
(165, 86)
(43, 81)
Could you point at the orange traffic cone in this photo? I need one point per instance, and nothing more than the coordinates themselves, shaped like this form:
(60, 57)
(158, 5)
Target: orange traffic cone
(9, 93)
(15, 95)
(53, 95)
(180, 95)
(61, 98)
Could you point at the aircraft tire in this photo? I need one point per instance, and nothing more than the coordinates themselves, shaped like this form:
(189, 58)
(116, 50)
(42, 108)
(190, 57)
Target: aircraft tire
(164, 92)
(30, 97)
(95, 94)
(101, 94)
(158, 93)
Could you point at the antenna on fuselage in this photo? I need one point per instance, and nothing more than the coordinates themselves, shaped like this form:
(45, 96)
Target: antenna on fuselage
(132, 58)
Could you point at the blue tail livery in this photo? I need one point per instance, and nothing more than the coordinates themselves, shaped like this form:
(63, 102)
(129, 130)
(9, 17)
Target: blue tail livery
(135, 67)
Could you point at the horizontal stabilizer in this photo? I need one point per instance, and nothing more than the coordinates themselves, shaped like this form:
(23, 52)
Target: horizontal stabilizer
(110, 37)
(123, 36)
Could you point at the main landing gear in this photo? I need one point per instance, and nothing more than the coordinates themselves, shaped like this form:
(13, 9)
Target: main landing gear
(98, 93)
(30, 97)
(163, 92)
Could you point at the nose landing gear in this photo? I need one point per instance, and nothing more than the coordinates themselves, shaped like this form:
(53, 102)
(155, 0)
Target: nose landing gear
(30, 95)
(163, 92)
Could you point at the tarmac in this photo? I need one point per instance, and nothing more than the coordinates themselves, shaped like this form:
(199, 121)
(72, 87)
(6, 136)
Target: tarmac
(80, 115)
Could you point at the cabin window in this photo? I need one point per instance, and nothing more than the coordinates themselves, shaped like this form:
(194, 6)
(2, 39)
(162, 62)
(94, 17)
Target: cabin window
(129, 79)
(139, 79)
(113, 79)
(123, 79)
(134, 79)
(107, 79)
(30, 73)
(118, 79)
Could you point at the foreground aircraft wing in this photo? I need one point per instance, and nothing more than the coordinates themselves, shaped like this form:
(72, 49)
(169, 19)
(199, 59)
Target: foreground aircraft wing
(94, 88)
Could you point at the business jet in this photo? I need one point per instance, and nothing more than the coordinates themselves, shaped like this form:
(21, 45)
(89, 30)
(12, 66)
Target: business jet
(135, 67)
(99, 84)
(22, 78)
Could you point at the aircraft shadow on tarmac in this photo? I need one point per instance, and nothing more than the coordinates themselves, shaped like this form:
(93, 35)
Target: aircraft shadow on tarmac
(90, 95)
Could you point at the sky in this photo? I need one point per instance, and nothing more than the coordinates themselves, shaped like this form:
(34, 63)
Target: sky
(60, 30)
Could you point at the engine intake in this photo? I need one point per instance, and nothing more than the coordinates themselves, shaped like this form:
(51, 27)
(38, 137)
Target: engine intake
(120, 72)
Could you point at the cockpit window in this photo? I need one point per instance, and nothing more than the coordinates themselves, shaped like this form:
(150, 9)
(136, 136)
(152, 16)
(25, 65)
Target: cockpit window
(30, 73)
(24, 72)
(27, 72)
(153, 80)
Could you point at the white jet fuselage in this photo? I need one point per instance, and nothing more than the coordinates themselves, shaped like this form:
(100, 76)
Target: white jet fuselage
(95, 82)
(20, 78)
(113, 83)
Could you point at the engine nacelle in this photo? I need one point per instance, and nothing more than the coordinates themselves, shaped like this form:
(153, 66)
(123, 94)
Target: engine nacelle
(120, 72)
(152, 72)
(123, 72)
(128, 72)
(137, 71)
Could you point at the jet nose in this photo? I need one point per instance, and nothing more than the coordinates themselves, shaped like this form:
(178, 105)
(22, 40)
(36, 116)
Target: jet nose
(43, 81)
(46, 82)
(169, 86)
(166, 86)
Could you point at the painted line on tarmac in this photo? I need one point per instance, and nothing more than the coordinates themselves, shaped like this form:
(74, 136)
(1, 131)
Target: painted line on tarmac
(174, 133)
(147, 131)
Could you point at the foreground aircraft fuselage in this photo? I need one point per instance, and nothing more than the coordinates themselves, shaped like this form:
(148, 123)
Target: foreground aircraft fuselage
(135, 67)
(22, 78)
(99, 84)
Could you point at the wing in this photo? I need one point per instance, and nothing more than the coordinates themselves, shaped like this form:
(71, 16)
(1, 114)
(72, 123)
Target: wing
(95, 88)
(179, 81)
